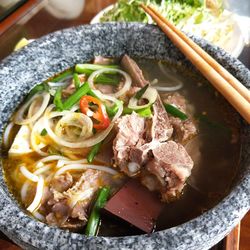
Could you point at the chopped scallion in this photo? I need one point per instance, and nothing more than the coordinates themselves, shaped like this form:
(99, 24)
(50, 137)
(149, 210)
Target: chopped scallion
(94, 219)
(140, 93)
(175, 111)
(77, 81)
(93, 152)
(76, 96)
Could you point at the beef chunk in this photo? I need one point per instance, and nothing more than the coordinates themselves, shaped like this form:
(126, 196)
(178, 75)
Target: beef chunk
(160, 129)
(62, 182)
(134, 71)
(183, 130)
(130, 129)
(72, 203)
(172, 165)
(136, 205)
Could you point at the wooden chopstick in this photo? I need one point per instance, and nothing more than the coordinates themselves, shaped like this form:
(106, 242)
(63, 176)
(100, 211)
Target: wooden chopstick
(235, 94)
(221, 70)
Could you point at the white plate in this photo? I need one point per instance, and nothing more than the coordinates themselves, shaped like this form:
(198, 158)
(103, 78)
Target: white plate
(234, 46)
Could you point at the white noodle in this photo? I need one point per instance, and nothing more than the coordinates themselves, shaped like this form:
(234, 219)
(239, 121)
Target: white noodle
(38, 197)
(30, 176)
(61, 163)
(53, 158)
(39, 216)
(24, 190)
(122, 91)
(79, 167)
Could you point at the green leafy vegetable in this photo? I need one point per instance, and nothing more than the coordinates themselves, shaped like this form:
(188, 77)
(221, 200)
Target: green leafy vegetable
(175, 111)
(94, 219)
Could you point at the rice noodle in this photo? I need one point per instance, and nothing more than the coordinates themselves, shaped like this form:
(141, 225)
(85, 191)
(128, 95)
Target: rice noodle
(53, 158)
(39, 216)
(61, 163)
(126, 86)
(6, 135)
(38, 197)
(42, 169)
(30, 176)
(24, 190)
(19, 118)
(79, 167)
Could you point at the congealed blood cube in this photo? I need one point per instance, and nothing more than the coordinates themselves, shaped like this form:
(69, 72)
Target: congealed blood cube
(135, 204)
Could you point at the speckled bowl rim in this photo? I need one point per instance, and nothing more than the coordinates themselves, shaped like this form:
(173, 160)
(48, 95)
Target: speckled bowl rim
(199, 233)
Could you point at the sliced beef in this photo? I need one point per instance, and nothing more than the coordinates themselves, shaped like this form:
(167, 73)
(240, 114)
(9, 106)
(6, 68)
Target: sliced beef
(134, 71)
(183, 130)
(130, 129)
(67, 205)
(172, 165)
(160, 128)
(62, 182)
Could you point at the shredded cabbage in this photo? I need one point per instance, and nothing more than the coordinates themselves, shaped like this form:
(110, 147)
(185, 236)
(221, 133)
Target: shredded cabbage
(204, 18)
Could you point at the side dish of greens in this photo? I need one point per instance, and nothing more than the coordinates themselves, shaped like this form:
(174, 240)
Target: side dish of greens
(204, 18)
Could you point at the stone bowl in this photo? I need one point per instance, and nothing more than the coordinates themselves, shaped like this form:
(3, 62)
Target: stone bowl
(62, 49)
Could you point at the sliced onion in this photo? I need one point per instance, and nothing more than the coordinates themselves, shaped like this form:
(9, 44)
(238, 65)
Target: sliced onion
(177, 83)
(6, 135)
(122, 91)
(38, 197)
(168, 88)
(19, 118)
(150, 94)
(30, 176)
(79, 167)
(78, 120)
(36, 133)
(85, 143)
(58, 84)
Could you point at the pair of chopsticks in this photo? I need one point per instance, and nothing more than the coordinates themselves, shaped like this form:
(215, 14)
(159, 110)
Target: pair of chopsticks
(235, 93)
